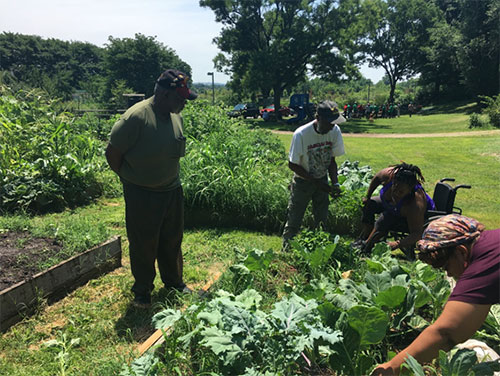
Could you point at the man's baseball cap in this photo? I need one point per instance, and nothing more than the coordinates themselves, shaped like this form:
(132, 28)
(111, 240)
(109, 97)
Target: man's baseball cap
(330, 110)
(174, 79)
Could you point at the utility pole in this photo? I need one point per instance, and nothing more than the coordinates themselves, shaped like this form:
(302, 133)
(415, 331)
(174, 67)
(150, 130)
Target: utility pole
(213, 89)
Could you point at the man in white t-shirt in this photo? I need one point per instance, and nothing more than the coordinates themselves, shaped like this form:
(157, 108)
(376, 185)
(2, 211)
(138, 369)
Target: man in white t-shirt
(312, 159)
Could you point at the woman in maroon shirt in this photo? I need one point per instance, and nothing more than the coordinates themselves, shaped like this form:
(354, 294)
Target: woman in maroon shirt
(471, 255)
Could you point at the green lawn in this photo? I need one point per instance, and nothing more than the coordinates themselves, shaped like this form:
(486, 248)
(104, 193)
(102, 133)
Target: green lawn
(405, 124)
(431, 120)
(473, 160)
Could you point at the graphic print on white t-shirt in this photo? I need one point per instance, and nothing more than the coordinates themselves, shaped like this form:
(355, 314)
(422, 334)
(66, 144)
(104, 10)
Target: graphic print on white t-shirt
(319, 156)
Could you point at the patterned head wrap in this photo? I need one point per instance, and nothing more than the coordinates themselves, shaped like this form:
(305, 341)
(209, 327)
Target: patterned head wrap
(449, 231)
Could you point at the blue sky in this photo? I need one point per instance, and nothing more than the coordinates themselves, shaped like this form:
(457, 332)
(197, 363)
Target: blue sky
(179, 24)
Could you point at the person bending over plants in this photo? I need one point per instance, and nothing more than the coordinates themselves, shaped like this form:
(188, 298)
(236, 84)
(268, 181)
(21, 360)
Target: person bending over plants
(471, 255)
(402, 205)
(312, 159)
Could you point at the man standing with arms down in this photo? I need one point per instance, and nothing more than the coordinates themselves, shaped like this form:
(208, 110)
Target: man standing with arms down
(144, 149)
(312, 159)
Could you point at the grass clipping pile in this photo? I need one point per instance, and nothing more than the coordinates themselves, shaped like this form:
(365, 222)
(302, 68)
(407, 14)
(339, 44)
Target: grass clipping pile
(22, 256)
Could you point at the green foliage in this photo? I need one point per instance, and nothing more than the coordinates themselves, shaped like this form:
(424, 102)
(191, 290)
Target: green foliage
(267, 45)
(146, 365)
(57, 66)
(46, 162)
(353, 177)
(64, 345)
(230, 170)
(313, 251)
(458, 59)
(138, 62)
(492, 109)
(476, 121)
(247, 340)
(463, 362)
(251, 269)
(490, 332)
(392, 34)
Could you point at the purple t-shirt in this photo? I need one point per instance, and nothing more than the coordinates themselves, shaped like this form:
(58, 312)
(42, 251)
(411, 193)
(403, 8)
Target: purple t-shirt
(480, 282)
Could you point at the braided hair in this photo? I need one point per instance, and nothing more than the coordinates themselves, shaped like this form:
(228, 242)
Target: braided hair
(407, 173)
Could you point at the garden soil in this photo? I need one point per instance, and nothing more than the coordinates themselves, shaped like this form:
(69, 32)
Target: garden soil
(22, 256)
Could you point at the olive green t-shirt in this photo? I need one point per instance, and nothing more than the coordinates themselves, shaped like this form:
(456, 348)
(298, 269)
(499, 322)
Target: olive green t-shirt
(151, 145)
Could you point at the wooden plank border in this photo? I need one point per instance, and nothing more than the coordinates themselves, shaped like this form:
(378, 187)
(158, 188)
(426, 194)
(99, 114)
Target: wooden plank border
(157, 337)
(21, 299)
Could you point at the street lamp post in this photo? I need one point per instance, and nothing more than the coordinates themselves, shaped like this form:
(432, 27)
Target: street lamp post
(213, 89)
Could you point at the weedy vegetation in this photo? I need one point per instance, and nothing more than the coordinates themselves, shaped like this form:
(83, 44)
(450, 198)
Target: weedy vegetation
(321, 308)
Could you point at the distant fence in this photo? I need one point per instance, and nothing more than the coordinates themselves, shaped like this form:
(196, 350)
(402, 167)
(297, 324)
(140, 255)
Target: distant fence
(101, 113)
(106, 114)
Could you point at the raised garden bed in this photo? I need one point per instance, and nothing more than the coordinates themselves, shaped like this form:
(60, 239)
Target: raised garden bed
(20, 299)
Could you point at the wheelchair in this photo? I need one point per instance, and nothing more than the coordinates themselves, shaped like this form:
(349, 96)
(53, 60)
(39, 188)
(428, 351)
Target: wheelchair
(444, 199)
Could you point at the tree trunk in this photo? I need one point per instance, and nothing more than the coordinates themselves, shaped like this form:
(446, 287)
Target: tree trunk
(277, 105)
(393, 89)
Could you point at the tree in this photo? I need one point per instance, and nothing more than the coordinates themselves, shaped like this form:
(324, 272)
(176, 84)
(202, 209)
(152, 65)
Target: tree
(57, 66)
(478, 54)
(463, 55)
(267, 44)
(137, 63)
(393, 34)
(441, 72)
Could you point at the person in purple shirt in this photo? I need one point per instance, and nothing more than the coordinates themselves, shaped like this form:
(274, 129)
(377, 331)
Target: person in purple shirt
(402, 205)
(470, 254)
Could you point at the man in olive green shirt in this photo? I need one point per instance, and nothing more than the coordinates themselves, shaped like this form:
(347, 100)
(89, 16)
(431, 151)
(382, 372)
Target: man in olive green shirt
(144, 149)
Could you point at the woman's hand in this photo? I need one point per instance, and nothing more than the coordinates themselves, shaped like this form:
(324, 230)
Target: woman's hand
(394, 244)
(384, 370)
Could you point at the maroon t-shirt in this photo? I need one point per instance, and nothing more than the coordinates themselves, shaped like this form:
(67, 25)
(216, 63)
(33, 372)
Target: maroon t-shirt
(480, 282)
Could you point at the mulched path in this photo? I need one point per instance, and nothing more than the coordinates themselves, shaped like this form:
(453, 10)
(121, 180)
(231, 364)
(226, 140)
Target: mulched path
(21, 256)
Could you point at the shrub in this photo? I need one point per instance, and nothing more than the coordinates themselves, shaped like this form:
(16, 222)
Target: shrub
(492, 109)
(476, 121)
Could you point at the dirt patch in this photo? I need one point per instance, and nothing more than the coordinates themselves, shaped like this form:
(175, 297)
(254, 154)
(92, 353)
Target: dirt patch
(22, 256)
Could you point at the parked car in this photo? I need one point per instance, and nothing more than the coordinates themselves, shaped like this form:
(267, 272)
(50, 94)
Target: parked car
(245, 110)
(284, 111)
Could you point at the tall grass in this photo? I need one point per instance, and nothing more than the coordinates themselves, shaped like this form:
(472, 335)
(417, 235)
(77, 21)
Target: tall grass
(233, 176)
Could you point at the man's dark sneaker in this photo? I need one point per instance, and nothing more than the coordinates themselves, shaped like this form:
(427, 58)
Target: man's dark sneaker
(142, 301)
(182, 289)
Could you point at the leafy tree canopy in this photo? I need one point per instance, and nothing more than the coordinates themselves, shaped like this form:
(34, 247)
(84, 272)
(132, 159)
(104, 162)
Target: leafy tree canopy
(137, 62)
(392, 35)
(52, 64)
(269, 45)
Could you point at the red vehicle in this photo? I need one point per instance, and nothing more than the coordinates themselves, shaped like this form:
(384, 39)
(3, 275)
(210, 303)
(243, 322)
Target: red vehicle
(284, 111)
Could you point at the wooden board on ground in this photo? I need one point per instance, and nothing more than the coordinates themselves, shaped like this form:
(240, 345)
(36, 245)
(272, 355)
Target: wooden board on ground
(20, 300)
(157, 337)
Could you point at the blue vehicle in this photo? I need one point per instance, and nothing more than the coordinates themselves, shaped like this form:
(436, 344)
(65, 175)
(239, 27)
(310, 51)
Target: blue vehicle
(300, 104)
